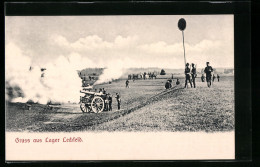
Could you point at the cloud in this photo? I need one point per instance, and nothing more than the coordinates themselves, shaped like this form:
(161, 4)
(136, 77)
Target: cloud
(158, 54)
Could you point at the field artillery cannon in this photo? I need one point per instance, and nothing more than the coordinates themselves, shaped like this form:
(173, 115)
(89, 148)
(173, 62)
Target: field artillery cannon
(92, 102)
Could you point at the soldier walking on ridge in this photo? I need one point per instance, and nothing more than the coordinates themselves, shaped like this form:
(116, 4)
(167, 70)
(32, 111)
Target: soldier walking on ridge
(187, 76)
(208, 69)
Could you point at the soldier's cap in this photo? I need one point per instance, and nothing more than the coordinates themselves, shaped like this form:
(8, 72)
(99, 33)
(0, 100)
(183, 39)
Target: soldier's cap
(187, 64)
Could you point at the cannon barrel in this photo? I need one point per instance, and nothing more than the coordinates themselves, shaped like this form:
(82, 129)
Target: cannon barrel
(91, 93)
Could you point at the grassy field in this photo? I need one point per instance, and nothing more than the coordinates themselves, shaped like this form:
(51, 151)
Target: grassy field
(146, 106)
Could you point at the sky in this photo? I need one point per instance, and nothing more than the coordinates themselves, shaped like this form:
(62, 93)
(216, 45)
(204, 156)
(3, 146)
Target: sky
(123, 41)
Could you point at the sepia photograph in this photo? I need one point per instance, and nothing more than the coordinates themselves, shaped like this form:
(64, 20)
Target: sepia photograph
(122, 74)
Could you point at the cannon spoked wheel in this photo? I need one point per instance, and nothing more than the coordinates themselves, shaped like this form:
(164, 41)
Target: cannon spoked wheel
(97, 104)
(84, 108)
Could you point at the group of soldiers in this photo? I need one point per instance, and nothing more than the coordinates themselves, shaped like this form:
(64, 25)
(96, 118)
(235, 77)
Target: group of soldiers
(108, 102)
(190, 75)
(213, 78)
(108, 99)
(149, 75)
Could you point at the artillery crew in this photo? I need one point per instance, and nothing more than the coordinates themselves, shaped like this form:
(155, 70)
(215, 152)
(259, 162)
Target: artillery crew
(208, 69)
(187, 76)
(193, 74)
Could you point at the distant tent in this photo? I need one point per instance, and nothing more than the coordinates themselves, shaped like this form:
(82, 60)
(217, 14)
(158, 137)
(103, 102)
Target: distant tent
(163, 72)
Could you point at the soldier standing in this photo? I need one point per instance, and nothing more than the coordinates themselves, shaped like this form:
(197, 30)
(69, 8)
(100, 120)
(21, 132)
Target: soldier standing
(193, 74)
(100, 90)
(177, 82)
(127, 83)
(167, 85)
(118, 101)
(103, 91)
(218, 77)
(187, 76)
(106, 103)
(208, 69)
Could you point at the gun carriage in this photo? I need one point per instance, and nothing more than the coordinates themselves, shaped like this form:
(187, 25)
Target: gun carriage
(92, 102)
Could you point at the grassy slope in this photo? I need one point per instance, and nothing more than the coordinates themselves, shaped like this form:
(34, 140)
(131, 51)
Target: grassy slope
(200, 109)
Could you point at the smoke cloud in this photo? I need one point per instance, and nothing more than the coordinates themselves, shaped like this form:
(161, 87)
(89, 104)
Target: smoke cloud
(114, 70)
(61, 82)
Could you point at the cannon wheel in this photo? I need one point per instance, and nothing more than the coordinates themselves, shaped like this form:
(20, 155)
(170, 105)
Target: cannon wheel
(84, 108)
(97, 104)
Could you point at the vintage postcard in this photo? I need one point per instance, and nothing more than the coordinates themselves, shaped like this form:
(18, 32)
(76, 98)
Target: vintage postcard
(119, 87)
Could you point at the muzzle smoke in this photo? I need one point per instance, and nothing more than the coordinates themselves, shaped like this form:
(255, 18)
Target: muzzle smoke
(112, 72)
(60, 81)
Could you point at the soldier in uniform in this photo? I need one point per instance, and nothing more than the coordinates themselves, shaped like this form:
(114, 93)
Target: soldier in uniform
(127, 83)
(118, 101)
(218, 77)
(167, 84)
(208, 70)
(104, 91)
(100, 90)
(187, 76)
(193, 74)
(106, 103)
(177, 82)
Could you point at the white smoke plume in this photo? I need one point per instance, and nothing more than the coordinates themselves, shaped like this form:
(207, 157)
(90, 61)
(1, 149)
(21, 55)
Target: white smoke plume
(113, 71)
(60, 83)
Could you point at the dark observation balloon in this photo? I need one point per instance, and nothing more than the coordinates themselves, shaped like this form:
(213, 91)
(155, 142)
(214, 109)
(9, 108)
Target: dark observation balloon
(182, 24)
